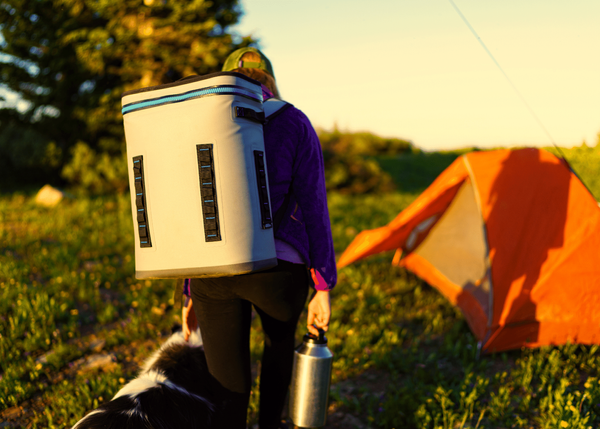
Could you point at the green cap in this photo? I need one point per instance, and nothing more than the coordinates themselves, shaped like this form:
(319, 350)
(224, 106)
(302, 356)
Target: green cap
(234, 61)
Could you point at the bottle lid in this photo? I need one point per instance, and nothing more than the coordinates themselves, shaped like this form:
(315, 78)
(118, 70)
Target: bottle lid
(312, 339)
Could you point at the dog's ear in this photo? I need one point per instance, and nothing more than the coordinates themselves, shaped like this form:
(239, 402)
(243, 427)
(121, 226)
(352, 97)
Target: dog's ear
(175, 328)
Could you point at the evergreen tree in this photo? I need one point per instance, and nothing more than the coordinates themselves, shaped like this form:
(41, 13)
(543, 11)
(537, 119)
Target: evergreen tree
(71, 60)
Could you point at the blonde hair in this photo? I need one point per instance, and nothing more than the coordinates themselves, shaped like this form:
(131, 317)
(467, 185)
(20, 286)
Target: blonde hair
(257, 74)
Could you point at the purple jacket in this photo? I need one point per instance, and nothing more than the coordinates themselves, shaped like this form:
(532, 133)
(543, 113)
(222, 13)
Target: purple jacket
(295, 165)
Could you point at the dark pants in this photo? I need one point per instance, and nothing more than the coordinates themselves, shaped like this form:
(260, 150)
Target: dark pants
(223, 307)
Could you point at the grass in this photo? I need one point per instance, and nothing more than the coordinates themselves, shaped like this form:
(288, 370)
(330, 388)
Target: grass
(404, 357)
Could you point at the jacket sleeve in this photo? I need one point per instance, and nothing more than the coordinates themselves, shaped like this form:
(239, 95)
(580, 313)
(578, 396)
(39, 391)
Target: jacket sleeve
(309, 190)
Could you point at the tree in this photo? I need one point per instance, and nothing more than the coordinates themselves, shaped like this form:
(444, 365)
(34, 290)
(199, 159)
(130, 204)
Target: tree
(70, 61)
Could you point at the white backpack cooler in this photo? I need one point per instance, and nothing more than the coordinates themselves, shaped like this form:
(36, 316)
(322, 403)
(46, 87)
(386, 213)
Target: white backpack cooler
(198, 177)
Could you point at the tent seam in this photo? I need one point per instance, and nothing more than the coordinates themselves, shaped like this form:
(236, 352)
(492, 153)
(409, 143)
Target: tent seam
(485, 239)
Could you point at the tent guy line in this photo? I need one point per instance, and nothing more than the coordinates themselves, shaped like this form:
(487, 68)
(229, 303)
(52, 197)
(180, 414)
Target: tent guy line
(514, 87)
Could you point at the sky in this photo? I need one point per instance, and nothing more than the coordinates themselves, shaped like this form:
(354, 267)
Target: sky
(413, 69)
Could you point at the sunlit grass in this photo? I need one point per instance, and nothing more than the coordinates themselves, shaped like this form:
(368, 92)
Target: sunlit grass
(404, 357)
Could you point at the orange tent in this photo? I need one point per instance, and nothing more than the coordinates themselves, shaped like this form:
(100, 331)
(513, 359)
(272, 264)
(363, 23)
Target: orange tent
(512, 237)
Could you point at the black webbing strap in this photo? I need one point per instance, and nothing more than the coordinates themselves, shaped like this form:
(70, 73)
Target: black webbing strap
(274, 107)
(246, 113)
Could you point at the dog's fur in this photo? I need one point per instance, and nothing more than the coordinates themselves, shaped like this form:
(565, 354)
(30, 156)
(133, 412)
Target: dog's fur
(170, 392)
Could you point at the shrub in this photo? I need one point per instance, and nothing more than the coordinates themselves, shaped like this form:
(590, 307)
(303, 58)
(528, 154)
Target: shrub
(96, 172)
(349, 166)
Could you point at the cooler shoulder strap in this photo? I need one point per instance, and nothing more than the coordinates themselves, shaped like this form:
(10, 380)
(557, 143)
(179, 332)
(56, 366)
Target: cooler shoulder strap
(273, 107)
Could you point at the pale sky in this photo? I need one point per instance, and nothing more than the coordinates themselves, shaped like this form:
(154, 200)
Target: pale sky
(413, 69)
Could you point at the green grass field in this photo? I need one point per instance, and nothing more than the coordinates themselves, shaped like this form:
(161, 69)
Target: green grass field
(404, 357)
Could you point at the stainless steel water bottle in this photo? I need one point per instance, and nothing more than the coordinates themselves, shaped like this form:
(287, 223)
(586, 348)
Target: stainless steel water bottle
(311, 376)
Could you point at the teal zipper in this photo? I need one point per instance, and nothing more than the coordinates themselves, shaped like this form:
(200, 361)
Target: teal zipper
(198, 93)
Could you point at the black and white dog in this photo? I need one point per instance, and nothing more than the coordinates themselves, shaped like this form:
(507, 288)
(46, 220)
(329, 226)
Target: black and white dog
(169, 392)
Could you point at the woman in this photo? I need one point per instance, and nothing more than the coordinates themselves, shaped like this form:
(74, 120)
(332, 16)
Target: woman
(223, 306)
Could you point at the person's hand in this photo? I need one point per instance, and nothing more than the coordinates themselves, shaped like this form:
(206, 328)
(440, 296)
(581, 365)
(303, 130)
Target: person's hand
(319, 312)
(188, 318)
